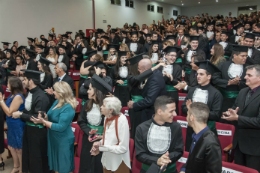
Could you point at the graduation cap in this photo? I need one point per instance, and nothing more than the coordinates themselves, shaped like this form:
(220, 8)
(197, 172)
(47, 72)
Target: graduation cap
(238, 26)
(124, 32)
(100, 64)
(208, 66)
(170, 37)
(186, 35)
(135, 59)
(113, 31)
(45, 40)
(100, 84)
(100, 30)
(194, 38)
(31, 74)
(218, 17)
(31, 39)
(105, 37)
(21, 47)
(50, 34)
(62, 46)
(250, 35)
(257, 34)
(240, 48)
(65, 35)
(148, 35)
(141, 32)
(91, 53)
(201, 28)
(6, 43)
(30, 52)
(134, 33)
(234, 22)
(155, 42)
(40, 46)
(210, 23)
(44, 61)
(224, 32)
(169, 49)
(68, 32)
(115, 46)
(250, 23)
(122, 53)
(220, 25)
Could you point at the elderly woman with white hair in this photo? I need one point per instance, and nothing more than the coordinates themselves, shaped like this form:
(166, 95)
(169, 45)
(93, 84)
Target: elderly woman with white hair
(115, 142)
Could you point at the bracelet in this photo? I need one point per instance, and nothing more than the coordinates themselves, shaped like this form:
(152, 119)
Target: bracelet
(44, 123)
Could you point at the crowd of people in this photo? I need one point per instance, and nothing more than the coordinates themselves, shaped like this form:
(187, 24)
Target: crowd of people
(214, 59)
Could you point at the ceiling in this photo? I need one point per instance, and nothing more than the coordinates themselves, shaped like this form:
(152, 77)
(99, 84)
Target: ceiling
(188, 3)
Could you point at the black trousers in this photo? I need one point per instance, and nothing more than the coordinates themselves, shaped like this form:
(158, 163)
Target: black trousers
(247, 160)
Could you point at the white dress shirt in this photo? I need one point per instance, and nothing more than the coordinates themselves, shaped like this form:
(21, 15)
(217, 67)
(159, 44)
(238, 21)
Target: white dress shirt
(113, 154)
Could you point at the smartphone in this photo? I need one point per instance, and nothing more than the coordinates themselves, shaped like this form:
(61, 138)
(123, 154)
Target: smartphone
(94, 136)
(42, 113)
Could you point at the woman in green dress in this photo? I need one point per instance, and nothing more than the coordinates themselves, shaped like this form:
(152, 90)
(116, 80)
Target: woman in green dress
(60, 136)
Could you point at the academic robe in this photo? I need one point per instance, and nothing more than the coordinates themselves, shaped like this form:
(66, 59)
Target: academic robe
(46, 82)
(213, 98)
(126, 39)
(121, 91)
(232, 39)
(78, 51)
(34, 154)
(229, 70)
(228, 48)
(192, 82)
(153, 140)
(31, 64)
(139, 49)
(176, 72)
(31, 47)
(203, 43)
(141, 40)
(147, 46)
(153, 88)
(92, 118)
(65, 59)
(6, 50)
(40, 55)
(114, 41)
(206, 155)
(255, 58)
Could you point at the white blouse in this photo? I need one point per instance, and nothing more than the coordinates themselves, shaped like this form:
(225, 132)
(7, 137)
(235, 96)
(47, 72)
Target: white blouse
(113, 154)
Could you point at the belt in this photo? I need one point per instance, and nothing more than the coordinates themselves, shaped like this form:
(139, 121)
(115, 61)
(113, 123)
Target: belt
(84, 76)
(171, 168)
(170, 88)
(187, 70)
(34, 125)
(178, 60)
(125, 83)
(100, 129)
(229, 94)
(105, 52)
(136, 98)
(85, 57)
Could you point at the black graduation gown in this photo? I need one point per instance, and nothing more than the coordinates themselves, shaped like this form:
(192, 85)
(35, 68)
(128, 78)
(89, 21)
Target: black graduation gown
(214, 101)
(139, 49)
(121, 92)
(114, 41)
(192, 82)
(78, 51)
(41, 55)
(221, 79)
(255, 58)
(228, 50)
(127, 40)
(2, 120)
(153, 88)
(232, 39)
(141, 40)
(177, 75)
(32, 65)
(34, 154)
(88, 163)
(11, 67)
(186, 62)
(47, 82)
(206, 155)
(31, 47)
(203, 44)
(149, 145)
(65, 60)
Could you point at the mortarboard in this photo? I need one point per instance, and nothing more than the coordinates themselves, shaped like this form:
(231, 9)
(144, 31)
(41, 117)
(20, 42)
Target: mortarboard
(44, 61)
(240, 48)
(99, 83)
(135, 59)
(169, 49)
(6, 43)
(31, 74)
(115, 46)
(208, 66)
(194, 38)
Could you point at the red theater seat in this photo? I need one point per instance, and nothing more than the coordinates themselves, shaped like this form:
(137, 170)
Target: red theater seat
(182, 161)
(78, 151)
(136, 166)
(182, 97)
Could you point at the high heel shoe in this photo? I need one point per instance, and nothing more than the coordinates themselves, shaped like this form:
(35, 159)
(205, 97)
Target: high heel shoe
(2, 164)
(15, 171)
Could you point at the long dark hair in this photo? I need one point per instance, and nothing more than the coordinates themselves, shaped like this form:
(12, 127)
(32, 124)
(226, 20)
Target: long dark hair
(150, 52)
(16, 85)
(2, 55)
(99, 99)
(118, 64)
(133, 69)
(45, 68)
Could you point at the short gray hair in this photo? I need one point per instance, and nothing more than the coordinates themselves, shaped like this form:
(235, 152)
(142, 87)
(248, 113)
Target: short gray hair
(62, 66)
(256, 67)
(200, 111)
(113, 103)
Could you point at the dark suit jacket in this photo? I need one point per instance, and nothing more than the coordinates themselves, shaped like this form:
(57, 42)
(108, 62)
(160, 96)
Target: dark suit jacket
(206, 155)
(66, 61)
(114, 41)
(182, 40)
(32, 65)
(248, 124)
(255, 58)
(67, 79)
(154, 87)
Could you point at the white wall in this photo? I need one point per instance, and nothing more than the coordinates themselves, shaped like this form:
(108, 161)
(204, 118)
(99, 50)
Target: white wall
(117, 15)
(217, 9)
(31, 18)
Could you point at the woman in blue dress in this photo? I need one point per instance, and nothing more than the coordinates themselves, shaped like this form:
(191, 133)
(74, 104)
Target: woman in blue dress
(60, 136)
(15, 102)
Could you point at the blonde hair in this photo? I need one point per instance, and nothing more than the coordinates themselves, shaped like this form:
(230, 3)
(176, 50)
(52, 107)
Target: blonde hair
(64, 91)
(124, 47)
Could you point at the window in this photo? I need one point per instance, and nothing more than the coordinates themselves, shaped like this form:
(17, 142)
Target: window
(116, 2)
(175, 12)
(159, 9)
(129, 3)
(150, 7)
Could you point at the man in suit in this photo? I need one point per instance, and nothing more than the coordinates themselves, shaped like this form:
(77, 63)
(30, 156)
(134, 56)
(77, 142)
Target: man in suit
(180, 37)
(77, 55)
(205, 151)
(60, 70)
(245, 115)
(155, 38)
(153, 87)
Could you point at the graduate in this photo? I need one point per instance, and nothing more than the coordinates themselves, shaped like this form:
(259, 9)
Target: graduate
(91, 122)
(5, 46)
(231, 78)
(159, 140)
(63, 57)
(205, 93)
(154, 53)
(34, 154)
(253, 55)
(46, 78)
(210, 33)
(172, 39)
(124, 38)
(66, 40)
(119, 75)
(148, 42)
(237, 38)
(112, 55)
(113, 39)
(172, 73)
(141, 37)
(78, 52)
(29, 57)
(40, 52)
(227, 47)
(134, 46)
(194, 43)
(30, 43)
(205, 152)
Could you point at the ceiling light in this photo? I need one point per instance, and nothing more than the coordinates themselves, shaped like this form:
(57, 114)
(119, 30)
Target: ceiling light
(198, 2)
(182, 4)
(216, 0)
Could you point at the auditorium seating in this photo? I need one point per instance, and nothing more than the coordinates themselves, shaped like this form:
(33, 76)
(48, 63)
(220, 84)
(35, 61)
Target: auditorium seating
(225, 136)
(131, 148)
(75, 75)
(78, 152)
(128, 118)
(136, 165)
(182, 160)
(181, 100)
(184, 124)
